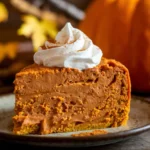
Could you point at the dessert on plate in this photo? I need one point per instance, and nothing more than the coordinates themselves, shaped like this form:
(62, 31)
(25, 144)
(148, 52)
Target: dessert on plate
(71, 87)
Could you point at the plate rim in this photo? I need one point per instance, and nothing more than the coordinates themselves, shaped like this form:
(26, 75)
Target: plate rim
(86, 141)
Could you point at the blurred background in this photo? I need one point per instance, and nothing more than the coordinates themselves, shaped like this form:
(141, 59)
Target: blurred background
(121, 28)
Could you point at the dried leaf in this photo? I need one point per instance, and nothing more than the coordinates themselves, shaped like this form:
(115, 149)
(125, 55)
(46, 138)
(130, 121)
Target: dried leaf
(3, 12)
(8, 50)
(38, 30)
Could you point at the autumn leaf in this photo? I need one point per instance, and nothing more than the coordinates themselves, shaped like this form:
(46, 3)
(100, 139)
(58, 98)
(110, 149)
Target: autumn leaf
(8, 50)
(3, 12)
(38, 30)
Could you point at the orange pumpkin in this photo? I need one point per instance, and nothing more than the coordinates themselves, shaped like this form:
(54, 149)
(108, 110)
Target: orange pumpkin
(121, 28)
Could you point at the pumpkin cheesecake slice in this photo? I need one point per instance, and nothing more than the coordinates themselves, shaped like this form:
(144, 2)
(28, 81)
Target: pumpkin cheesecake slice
(71, 87)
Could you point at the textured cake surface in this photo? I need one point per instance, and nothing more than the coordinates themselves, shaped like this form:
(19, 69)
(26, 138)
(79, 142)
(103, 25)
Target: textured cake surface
(50, 100)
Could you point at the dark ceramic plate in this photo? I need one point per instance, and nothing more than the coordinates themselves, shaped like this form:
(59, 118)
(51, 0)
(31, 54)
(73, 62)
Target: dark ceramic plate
(139, 121)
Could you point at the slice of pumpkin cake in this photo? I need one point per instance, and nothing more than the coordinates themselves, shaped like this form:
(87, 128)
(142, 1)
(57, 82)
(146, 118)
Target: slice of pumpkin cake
(71, 87)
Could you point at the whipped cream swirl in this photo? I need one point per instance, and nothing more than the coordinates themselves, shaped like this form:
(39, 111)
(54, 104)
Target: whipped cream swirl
(72, 49)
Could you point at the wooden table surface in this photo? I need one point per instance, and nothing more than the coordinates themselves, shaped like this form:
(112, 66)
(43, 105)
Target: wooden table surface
(139, 142)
